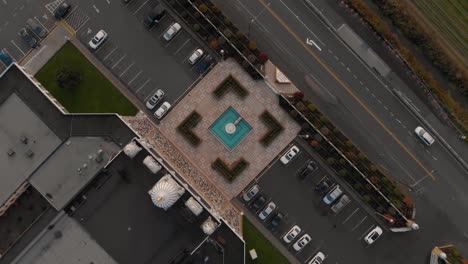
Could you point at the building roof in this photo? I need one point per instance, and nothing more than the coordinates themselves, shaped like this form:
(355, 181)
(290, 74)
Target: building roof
(27, 138)
(71, 167)
(64, 242)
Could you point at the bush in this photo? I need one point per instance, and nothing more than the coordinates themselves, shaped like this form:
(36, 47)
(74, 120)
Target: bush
(230, 173)
(196, 27)
(262, 57)
(203, 8)
(274, 128)
(214, 44)
(196, 15)
(67, 78)
(362, 156)
(215, 9)
(331, 161)
(185, 128)
(230, 84)
(252, 45)
(227, 33)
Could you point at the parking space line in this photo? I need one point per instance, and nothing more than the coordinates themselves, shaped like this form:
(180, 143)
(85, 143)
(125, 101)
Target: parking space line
(367, 231)
(172, 40)
(100, 47)
(182, 46)
(138, 9)
(152, 92)
(82, 24)
(186, 58)
(134, 78)
(110, 53)
(35, 18)
(129, 66)
(143, 85)
(11, 55)
(355, 211)
(362, 220)
(13, 42)
(123, 57)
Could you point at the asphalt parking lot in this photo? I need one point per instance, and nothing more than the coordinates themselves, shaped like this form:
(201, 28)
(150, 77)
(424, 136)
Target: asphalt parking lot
(338, 235)
(138, 56)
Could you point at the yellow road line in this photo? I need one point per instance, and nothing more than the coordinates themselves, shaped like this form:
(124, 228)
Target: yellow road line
(276, 16)
(68, 27)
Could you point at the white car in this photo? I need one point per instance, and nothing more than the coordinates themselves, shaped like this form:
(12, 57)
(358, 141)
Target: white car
(292, 152)
(171, 31)
(332, 195)
(302, 242)
(267, 211)
(424, 136)
(251, 193)
(162, 110)
(318, 258)
(373, 235)
(98, 39)
(292, 234)
(154, 100)
(196, 56)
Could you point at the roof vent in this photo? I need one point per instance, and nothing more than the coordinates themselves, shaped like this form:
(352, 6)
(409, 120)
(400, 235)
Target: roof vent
(29, 153)
(10, 152)
(24, 139)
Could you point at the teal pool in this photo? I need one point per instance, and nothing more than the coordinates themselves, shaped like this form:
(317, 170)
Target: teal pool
(225, 130)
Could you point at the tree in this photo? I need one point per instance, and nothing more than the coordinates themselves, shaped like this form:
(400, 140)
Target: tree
(362, 156)
(214, 44)
(262, 57)
(252, 45)
(67, 78)
(298, 95)
(331, 161)
(203, 8)
(215, 9)
(196, 27)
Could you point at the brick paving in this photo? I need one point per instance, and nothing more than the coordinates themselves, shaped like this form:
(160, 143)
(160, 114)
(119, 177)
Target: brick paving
(202, 100)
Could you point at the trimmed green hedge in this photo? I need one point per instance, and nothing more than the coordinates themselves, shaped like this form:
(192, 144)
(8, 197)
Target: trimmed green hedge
(185, 128)
(230, 173)
(230, 84)
(275, 128)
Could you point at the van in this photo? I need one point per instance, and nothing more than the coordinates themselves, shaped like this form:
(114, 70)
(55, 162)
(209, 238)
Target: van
(424, 136)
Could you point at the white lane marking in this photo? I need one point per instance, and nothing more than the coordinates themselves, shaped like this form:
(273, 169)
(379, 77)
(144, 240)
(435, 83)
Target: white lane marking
(331, 52)
(82, 24)
(403, 126)
(129, 66)
(362, 220)
(361, 83)
(378, 100)
(110, 53)
(100, 47)
(336, 58)
(434, 158)
(4, 2)
(96, 9)
(398, 120)
(392, 114)
(185, 43)
(347, 68)
(134, 78)
(367, 89)
(108, 2)
(35, 18)
(21, 7)
(146, 97)
(367, 231)
(342, 64)
(123, 57)
(138, 9)
(311, 42)
(12, 42)
(355, 77)
(143, 85)
(386, 108)
(373, 95)
(355, 211)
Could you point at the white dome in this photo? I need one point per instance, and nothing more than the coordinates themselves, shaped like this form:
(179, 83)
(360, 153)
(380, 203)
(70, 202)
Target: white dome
(166, 192)
(209, 226)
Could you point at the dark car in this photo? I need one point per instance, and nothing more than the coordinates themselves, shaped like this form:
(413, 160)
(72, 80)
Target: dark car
(30, 40)
(154, 16)
(62, 10)
(276, 221)
(36, 28)
(310, 167)
(324, 185)
(258, 203)
(5, 58)
(205, 63)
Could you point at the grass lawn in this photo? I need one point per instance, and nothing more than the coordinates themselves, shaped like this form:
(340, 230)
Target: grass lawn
(267, 253)
(95, 94)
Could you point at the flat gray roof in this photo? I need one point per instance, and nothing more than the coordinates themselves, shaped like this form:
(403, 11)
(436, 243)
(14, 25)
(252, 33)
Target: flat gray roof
(71, 167)
(67, 242)
(17, 122)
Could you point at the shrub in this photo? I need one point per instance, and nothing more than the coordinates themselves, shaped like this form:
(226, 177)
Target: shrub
(215, 9)
(252, 58)
(274, 128)
(230, 84)
(67, 78)
(214, 44)
(227, 33)
(342, 172)
(227, 22)
(262, 57)
(230, 173)
(366, 198)
(252, 45)
(331, 161)
(196, 15)
(196, 27)
(203, 8)
(185, 128)
(362, 156)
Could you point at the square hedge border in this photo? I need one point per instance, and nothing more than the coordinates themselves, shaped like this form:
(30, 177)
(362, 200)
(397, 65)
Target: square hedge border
(230, 173)
(185, 128)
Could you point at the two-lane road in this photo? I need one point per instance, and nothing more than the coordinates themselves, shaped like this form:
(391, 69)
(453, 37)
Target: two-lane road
(362, 106)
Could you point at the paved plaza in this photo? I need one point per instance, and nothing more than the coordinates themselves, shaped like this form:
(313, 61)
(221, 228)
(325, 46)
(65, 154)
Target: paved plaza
(202, 100)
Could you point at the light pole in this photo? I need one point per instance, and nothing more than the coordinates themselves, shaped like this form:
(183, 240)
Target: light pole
(389, 219)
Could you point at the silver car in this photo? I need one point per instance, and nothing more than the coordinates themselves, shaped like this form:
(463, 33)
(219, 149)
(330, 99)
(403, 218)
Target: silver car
(251, 193)
(267, 211)
(424, 136)
(36, 28)
(154, 100)
(338, 206)
(332, 195)
(171, 31)
(302, 242)
(162, 110)
(292, 234)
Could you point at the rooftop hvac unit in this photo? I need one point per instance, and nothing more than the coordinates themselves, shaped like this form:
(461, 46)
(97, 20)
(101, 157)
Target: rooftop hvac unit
(99, 156)
(132, 149)
(194, 206)
(152, 164)
(209, 226)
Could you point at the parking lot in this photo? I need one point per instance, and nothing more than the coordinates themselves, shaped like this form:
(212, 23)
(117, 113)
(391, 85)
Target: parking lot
(338, 235)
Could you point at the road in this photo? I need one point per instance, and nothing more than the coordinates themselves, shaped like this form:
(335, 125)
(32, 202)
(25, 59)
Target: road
(359, 103)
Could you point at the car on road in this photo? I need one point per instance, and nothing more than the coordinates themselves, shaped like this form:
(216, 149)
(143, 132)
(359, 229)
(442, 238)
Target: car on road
(323, 186)
(301, 242)
(205, 63)
(342, 202)
(98, 39)
(332, 195)
(30, 40)
(292, 234)
(251, 193)
(154, 100)
(275, 221)
(290, 154)
(373, 235)
(196, 56)
(5, 58)
(318, 258)
(258, 203)
(162, 110)
(308, 169)
(36, 28)
(267, 211)
(62, 10)
(154, 16)
(424, 136)
(171, 31)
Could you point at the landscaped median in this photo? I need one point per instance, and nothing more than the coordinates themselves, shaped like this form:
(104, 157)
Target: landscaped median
(374, 187)
(266, 252)
(79, 86)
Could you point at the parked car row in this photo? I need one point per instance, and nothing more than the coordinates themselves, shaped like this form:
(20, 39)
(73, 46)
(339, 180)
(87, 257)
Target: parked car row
(257, 201)
(32, 33)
